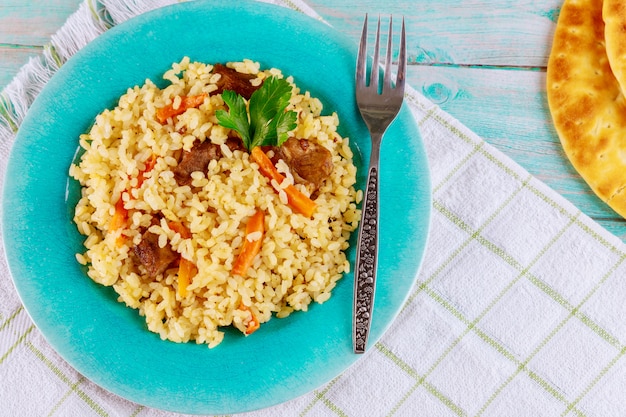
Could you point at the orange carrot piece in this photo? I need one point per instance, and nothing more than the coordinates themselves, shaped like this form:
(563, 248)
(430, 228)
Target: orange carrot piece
(186, 268)
(250, 248)
(119, 221)
(186, 102)
(253, 324)
(180, 229)
(150, 163)
(296, 199)
(120, 217)
(266, 166)
(300, 202)
(186, 271)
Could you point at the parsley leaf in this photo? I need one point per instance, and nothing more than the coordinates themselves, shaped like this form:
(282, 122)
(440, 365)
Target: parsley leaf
(266, 123)
(237, 116)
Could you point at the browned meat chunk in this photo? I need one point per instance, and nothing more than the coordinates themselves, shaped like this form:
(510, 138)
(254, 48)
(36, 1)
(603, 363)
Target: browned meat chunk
(154, 258)
(235, 144)
(199, 156)
(232, 80)
(196, 159)
(310, 163)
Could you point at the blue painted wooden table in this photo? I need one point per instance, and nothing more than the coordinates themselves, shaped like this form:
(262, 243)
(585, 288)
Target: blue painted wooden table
(483, 61)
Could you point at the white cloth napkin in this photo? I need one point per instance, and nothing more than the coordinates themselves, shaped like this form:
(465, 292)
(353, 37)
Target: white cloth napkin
(518, 310)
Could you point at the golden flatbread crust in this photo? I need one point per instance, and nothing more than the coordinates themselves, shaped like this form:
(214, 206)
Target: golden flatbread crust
(614, 16)
(586, 101)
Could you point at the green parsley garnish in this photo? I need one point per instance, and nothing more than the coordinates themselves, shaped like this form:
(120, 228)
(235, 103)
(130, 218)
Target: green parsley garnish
(265, 122)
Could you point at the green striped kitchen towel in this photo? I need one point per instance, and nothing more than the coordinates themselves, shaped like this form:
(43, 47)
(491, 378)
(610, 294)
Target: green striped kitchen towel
(518, 309)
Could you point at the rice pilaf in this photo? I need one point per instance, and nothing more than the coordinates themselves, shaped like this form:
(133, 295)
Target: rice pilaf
(129, 164)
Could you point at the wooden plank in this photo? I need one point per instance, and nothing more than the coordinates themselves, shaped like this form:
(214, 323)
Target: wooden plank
(32, 22)
(12, 60)
(25, 27)
(460, 32)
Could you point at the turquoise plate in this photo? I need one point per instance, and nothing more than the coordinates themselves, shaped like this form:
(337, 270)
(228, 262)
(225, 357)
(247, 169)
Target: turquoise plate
(108, 342)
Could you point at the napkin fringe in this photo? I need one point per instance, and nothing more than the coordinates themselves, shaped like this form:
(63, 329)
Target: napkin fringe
(122, 10)
(87, 23)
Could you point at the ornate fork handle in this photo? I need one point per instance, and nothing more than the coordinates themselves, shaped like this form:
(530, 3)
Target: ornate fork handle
(367, 253)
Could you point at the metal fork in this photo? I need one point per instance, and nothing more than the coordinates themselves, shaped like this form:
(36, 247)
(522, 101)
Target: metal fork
(378, 107)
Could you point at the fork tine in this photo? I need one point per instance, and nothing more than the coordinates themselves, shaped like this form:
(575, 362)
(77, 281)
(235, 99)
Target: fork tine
(401, 76)
(376, 63)
(387, 68)
(361, 65)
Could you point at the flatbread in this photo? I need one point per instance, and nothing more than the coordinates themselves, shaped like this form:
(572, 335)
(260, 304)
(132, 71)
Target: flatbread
(614, 16)
(586, 101)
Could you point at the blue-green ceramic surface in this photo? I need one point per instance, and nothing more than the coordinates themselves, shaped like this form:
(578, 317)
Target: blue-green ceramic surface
(108, 342)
